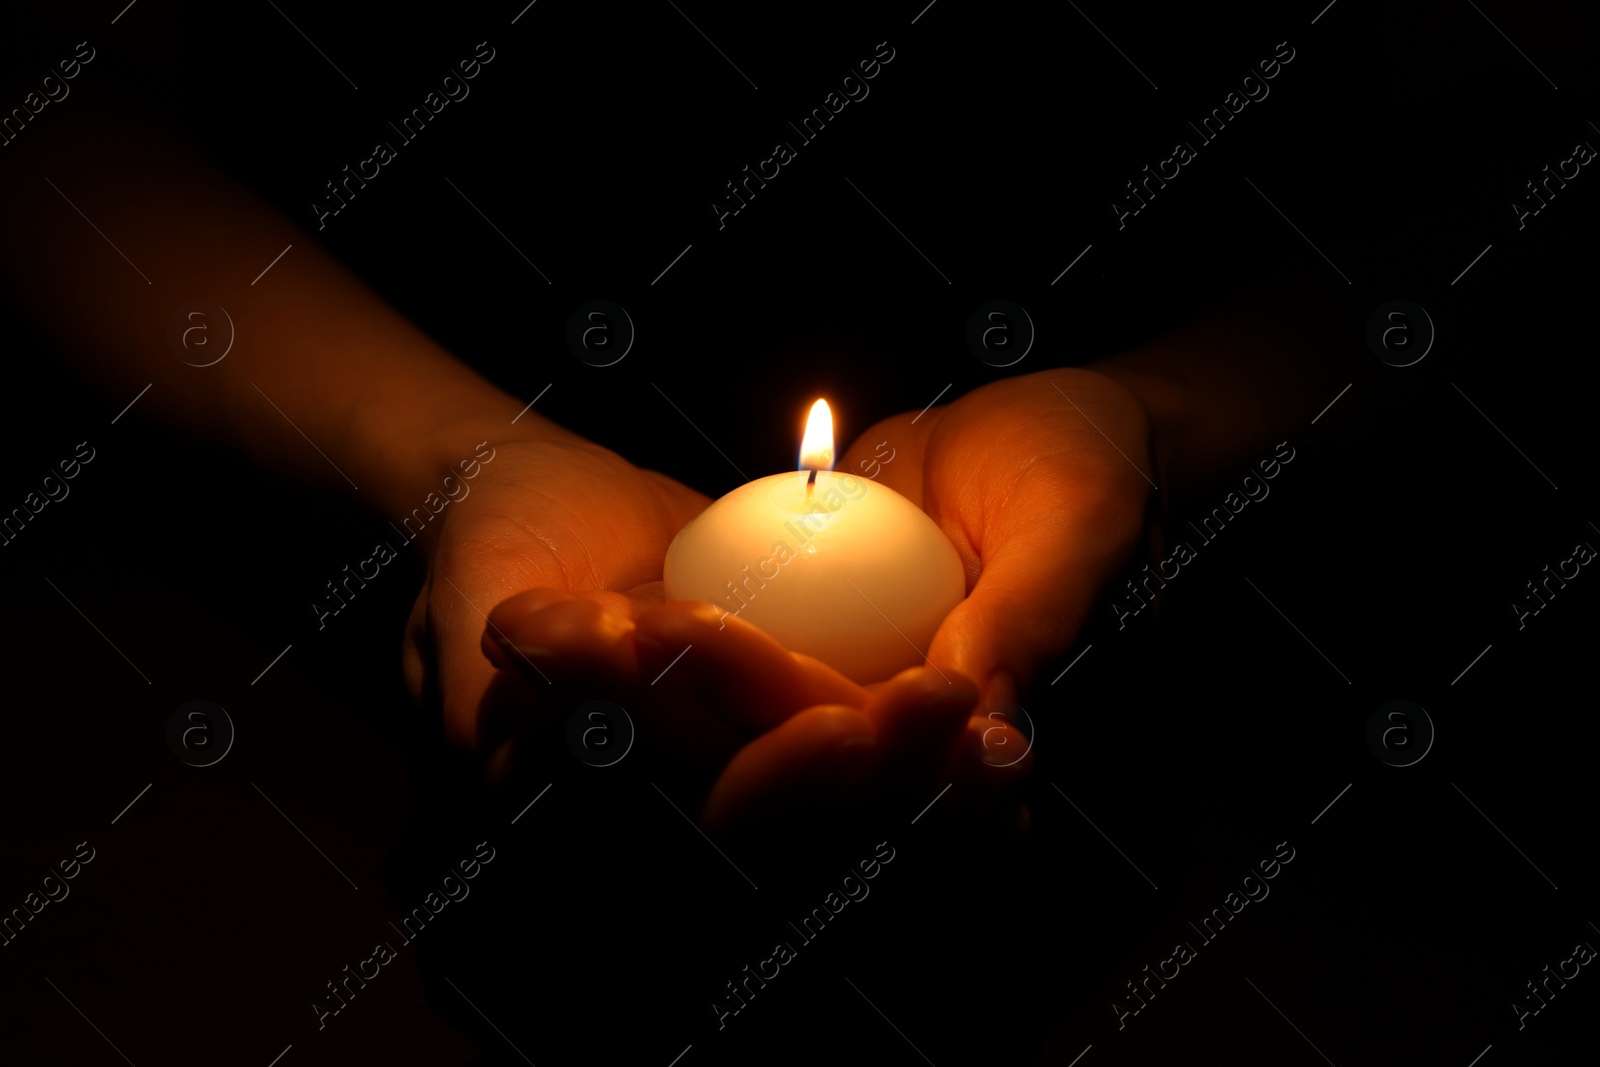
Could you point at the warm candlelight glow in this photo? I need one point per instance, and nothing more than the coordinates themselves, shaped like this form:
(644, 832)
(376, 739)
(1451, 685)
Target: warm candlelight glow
(830, 565)
(816, 448)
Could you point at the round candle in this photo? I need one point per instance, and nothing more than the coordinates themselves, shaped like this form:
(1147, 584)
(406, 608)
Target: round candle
(845, 570)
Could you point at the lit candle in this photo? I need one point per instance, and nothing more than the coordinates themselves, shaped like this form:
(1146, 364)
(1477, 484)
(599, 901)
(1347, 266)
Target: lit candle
(831, 565)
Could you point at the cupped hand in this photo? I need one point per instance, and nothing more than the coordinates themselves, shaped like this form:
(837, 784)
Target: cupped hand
(561, 515)
(1044, 483)
(1041, 482)
(544, 591)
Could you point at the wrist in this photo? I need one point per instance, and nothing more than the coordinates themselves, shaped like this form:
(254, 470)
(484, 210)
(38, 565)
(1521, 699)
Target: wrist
(438, 424)
(1166, 398)
(1162, 400)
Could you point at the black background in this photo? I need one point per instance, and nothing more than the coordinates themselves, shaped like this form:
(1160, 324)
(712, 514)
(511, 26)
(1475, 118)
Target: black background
(1196, 740)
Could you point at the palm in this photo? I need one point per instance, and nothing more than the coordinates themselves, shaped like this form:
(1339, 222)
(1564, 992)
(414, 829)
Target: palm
(550, 570)
(1041, 482)
(569, 518)
(566, 543)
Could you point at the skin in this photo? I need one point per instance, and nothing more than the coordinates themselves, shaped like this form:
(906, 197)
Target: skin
(1042, 508)
(1043, 482)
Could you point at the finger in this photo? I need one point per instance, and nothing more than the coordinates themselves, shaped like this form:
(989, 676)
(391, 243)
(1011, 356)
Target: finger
(735, 669)
(511, 714)
(579, 643)
(920, 715)
(511, 612)
(583, 646)
(532, 743)
(890, 452)
(514, 609)
(455, 626)
(995, 755)
(1064, 531)
(820, 752)
(832, 756)
(461, 592)
(921, 709)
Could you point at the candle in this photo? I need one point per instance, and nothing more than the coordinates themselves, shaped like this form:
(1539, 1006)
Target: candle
(831, 565)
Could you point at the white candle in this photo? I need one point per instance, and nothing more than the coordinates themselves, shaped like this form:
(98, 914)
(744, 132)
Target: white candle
(845, 570)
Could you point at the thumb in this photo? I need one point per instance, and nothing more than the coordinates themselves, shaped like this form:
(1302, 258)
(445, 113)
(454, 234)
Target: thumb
(1066, 529)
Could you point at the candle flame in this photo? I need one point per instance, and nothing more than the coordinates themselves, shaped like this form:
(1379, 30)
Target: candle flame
(816, 448)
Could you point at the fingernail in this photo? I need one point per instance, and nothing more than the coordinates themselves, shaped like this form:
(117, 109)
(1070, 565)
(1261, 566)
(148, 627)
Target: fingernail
(496, 653)
(1001, 745)
(965, 695)
(526, 663)
(956, 688)
(1001, 693)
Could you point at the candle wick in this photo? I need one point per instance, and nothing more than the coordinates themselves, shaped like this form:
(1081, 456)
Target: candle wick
(811, 481)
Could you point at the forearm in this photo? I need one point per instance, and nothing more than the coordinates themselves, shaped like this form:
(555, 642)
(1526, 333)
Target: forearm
(1221, 390)
(325, 383)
